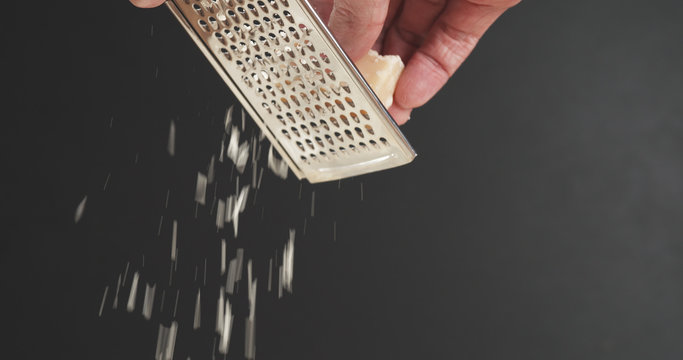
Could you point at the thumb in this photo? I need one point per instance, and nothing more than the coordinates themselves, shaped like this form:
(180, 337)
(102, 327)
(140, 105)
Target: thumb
(357, 24)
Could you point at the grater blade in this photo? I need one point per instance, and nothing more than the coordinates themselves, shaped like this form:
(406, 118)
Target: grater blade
(298, 85)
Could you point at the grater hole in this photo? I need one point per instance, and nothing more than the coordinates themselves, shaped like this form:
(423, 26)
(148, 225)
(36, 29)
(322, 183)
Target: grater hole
(369, 129)
(320, 142)
(310, 112)
(352, 147)
(315, 95)
(344, 85)
(289, 16)
(278, 19)
(290, 117)
(334, 122)
(309, 143)
(365, 114)
(363, 146)
(314, 126)
(300, 145)
(359, 132)
(322, 153)
(330, 73)
(339, 104)
(273, 4)
(213, 22)
(313, 157)
(203, 25)
(284, 101)
(348, 134)
(350, 101)
(320, 109)
(329, 107)
(262, 5)
(276, 105)
(325, 92)
(324, 58)
(286, 133)
(384, 141)
(373, 143)
(329, 139)
(295, 100)
(304, 29)
(339, 136)
(282, 119)
(314, 61)
(335, 89)
(253, 10)
(344, 119)
(305, 129)
(233, 15)
(300, 115)
(198, 9)
(295, 131)
(309, 45)
(354, 117)
(229, 34)
(285, 3)
(243, 12)
(267, 107)
(227, 55)
(342, 149)
(323, 123)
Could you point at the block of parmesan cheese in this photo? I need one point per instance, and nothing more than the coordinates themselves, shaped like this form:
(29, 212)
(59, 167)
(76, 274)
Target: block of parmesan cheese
(382, 73)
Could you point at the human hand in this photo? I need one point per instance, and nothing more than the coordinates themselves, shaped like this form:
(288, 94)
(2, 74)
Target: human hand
(432, 37)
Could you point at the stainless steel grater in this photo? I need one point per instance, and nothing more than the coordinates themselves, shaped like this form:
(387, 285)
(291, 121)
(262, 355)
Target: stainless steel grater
(296, 82)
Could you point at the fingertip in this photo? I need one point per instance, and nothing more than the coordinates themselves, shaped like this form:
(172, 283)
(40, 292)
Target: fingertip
(146, 4)
(400, 115)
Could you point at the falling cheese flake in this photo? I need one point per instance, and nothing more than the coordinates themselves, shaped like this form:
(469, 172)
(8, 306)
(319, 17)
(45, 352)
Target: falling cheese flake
(148, 303)
(277, 166)
(211, 170)
(133, 292)
(288, 262)
(171, 139)
(174, 241)
(220, 214)
(200, 189)
(166, 341)
(227, 329)
(197, 312)
(223, 255)
(104, 298)
(220, 317)
(115, 304)
(80, 209)
(228, 117)
(233, 145)
(242, 157)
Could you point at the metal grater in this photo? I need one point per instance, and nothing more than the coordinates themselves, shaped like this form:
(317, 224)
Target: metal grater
(296, 82)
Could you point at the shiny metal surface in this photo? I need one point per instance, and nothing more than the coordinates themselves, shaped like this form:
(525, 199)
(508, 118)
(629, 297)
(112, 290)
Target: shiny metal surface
(295, 81)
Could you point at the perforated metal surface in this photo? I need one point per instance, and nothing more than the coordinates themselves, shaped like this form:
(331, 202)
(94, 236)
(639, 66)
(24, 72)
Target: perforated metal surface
(296, 82)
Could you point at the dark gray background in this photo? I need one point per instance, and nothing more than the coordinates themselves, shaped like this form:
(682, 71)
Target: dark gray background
(543, 218)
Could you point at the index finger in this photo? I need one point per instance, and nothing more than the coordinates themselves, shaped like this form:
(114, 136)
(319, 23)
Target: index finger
(449, 42)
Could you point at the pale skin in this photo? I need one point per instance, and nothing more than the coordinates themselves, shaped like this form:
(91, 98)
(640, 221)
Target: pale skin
(433, 37)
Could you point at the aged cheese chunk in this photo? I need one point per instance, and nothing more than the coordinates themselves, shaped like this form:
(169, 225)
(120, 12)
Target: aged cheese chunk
(381, 73)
